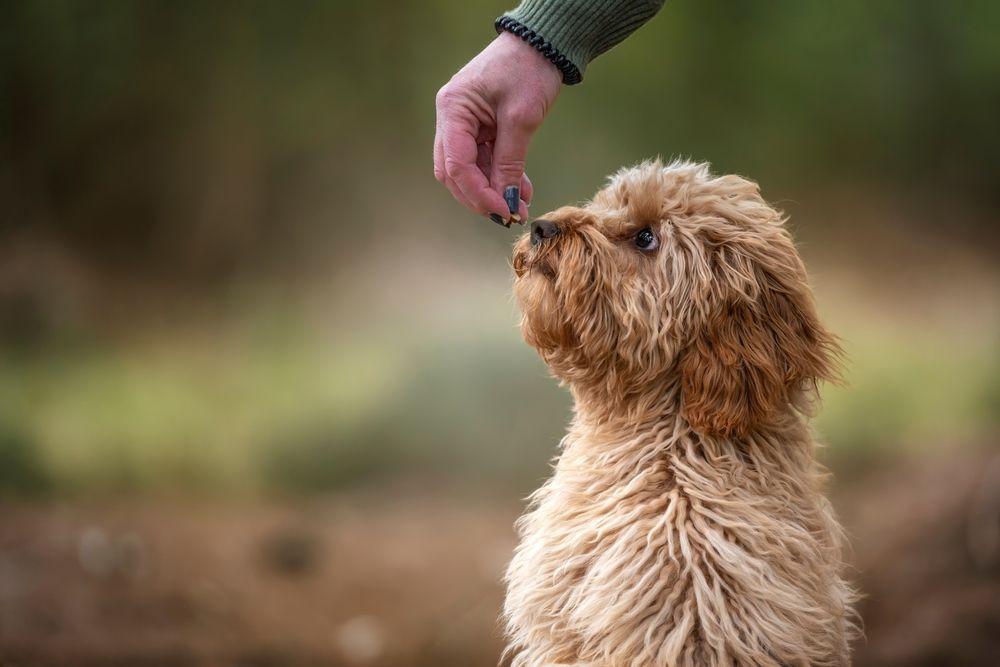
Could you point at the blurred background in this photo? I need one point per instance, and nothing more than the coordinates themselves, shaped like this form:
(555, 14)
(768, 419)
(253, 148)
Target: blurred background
(263, 400)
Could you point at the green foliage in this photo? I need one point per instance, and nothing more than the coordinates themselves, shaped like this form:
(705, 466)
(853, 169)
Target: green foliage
(207, 123)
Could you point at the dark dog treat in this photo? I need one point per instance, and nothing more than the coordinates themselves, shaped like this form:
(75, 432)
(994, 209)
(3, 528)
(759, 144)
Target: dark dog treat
(497, 219)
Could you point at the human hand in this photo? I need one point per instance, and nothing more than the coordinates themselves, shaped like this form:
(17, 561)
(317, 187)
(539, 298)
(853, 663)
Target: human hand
(486, 116)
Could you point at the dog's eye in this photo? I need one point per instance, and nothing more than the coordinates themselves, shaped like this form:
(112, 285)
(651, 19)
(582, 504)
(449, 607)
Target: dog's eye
(646, 239)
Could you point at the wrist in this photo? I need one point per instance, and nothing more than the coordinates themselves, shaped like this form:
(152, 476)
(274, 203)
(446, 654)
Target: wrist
(511, 30)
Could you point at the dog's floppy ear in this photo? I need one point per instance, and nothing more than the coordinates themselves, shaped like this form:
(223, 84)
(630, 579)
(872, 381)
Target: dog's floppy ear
(751, 357)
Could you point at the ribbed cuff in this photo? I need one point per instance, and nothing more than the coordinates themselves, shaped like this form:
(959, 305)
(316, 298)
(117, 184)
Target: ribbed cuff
(576, 31)
(570, 73)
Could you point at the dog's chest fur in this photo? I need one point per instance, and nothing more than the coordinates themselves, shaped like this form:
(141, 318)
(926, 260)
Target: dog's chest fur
(653, 546)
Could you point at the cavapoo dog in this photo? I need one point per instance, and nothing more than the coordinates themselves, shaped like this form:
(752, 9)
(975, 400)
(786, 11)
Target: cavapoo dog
(685, 522)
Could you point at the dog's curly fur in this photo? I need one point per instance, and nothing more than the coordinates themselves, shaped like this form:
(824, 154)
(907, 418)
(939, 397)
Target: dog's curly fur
(685, 523)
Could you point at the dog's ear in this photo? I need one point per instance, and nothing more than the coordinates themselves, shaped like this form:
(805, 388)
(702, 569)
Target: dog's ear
(754, 356)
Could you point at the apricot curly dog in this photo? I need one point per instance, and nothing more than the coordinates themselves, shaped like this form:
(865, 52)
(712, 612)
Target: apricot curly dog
(685, 523)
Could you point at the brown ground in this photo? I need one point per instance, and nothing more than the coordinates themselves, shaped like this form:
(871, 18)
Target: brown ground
(410, 578)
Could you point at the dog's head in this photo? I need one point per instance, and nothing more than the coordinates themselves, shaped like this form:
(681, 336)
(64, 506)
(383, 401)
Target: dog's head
(671, 277)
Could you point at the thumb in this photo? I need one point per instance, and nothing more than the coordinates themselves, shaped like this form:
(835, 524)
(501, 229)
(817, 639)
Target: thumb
(510, 150)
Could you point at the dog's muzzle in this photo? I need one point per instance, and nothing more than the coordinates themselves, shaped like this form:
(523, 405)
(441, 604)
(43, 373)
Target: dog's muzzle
(536, 251)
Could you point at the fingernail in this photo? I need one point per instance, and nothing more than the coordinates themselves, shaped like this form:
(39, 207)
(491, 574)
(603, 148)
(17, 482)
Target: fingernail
(512, 195)
(500, 221)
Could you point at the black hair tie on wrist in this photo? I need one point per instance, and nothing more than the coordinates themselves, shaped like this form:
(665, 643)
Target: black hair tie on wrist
(570, 72)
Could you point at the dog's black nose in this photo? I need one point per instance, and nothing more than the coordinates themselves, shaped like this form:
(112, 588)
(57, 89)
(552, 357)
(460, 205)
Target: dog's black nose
(541, 230)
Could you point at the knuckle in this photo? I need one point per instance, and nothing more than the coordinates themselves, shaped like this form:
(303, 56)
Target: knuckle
(453, 168)
(523, 115)
(446, 95)
(512, 166)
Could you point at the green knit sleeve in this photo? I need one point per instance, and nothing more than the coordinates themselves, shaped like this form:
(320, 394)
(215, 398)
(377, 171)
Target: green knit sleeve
(571, 33)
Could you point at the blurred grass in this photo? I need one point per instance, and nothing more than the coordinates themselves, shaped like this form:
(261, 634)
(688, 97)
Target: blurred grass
(913, 392)
(150, 413)
(290, 409)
